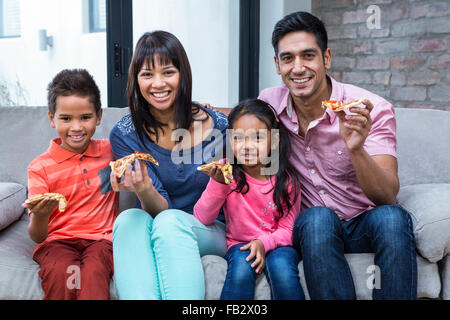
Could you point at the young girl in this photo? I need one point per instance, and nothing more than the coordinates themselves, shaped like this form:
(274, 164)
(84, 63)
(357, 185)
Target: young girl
(260, 206)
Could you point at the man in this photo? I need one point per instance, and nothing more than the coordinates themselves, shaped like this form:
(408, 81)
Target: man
(348, 169)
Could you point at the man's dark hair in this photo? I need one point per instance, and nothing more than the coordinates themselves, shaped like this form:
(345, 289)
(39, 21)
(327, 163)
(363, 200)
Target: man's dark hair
(300, 21)
(73, 82)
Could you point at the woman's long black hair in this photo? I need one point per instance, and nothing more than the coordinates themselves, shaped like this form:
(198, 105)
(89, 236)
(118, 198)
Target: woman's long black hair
(287, 186)
(168, 49)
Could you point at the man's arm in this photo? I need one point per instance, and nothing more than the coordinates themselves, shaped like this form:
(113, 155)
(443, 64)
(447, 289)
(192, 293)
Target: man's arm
(377, 175)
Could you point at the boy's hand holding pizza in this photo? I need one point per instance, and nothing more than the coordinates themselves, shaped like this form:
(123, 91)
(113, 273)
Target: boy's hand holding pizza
(43, 208)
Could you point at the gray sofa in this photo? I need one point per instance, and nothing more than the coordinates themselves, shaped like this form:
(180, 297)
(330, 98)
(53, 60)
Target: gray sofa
(424, 171)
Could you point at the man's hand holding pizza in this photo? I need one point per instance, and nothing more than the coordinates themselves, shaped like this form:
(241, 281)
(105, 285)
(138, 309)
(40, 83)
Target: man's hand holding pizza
(354, 128)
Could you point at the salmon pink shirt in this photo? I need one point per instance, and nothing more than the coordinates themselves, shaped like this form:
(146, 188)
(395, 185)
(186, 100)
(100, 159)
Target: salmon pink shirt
(84, 180)
(326, 172)
(248, 216)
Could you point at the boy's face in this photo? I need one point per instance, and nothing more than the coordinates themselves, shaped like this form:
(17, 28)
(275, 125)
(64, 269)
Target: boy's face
(301, 64)
(75, 120)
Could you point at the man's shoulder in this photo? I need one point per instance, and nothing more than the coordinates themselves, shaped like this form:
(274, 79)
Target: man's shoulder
(275, 96)
(278, 92)
(352, 92)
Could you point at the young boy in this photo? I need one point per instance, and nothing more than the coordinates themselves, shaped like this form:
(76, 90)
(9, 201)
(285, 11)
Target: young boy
(75, 246)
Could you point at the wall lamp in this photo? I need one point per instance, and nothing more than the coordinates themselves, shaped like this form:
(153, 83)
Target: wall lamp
(44, 40)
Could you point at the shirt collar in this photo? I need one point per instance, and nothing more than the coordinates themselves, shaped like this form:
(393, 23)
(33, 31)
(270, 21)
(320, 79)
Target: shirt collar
(59, 154)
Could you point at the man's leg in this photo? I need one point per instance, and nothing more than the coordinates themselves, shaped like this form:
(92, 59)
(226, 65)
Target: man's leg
(318, 235)
(390, 234)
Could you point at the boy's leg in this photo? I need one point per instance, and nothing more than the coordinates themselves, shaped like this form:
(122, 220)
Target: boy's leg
(135, 271)
(179, 240)
(282, 274)
(319, 236)
(241, 277)
(96, 270)
(60, 262)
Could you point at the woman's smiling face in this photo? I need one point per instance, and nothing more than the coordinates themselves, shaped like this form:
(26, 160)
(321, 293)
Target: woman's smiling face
(159, 84)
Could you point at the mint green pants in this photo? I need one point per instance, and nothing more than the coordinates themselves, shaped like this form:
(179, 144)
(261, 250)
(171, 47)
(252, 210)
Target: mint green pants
(159, 258)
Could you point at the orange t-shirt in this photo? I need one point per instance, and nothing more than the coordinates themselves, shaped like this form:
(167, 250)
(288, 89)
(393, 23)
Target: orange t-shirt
(83, 179)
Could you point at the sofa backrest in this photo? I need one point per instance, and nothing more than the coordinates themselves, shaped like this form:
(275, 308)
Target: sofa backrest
(423, 138)
(423, 141)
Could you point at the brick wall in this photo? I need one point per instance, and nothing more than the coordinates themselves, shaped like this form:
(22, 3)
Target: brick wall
(406, 60)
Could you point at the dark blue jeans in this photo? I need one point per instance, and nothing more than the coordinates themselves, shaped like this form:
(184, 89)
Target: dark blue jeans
(281, 270)
(322, 239)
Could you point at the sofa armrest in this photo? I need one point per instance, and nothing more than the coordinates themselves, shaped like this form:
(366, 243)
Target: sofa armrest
(428, 205)
(12, 195)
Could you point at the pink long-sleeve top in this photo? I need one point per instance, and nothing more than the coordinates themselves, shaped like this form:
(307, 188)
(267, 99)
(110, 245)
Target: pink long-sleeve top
(248, 216)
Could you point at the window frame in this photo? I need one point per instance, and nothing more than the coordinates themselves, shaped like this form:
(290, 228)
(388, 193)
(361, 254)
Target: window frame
(2, 36)
(94, 17)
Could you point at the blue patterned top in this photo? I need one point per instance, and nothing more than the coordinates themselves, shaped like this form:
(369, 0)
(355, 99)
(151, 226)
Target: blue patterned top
(176, 178)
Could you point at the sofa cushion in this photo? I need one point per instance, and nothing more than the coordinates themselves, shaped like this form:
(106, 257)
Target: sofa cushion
(12, 195)
(429, 207)
(445, 277)
(428, 283)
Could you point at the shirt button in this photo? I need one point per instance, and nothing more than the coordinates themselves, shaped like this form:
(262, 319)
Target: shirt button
(339, 152)
(308, 149)
(84, 170)
(322, 191)
(313, 171)
(81, 159)
(88, 182)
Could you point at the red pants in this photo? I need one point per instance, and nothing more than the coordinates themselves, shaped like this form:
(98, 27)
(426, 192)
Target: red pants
(76, 269)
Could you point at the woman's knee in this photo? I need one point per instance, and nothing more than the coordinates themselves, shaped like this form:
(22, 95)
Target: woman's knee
(131, 221)
(172, 222)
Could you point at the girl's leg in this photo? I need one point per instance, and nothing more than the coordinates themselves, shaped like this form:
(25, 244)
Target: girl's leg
(179, 240)
(241, 277)
(135, 271)
(282, 274)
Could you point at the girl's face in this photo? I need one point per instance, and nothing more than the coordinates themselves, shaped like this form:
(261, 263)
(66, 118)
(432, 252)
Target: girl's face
(251, 141)
(159, 85)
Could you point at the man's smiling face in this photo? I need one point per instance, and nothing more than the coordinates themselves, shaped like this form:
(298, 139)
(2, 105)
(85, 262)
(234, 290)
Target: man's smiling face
(301, 64)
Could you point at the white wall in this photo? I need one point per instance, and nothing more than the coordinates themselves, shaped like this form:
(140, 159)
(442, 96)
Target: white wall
(271, 12)
(209, 32)
(21, 60)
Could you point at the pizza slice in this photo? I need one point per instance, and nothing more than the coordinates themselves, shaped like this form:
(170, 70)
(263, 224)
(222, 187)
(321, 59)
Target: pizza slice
(227, 169)
(62, 200)
(120, 165)
(339, 106)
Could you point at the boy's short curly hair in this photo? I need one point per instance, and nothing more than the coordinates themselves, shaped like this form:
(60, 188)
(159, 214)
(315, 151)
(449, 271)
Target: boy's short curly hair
(73, 82)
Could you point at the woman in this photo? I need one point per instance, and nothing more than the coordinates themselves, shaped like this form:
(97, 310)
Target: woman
(157, 246)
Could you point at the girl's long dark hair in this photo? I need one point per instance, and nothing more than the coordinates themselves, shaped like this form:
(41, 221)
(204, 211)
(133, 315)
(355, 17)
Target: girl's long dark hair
(287, 186)
(168, 49)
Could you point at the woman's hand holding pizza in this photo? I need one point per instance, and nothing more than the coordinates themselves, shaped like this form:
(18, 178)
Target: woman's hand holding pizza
(136, 181)
(355, 128)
